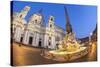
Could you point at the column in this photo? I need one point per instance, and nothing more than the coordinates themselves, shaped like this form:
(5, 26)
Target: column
(37, 39)
(33, 35)
(26, 37)
(53, 45)
(17, 34)
(45, 40)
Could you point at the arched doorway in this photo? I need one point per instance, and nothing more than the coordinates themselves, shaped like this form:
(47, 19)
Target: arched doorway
(40, 43)
(30, 40)
(21, 39)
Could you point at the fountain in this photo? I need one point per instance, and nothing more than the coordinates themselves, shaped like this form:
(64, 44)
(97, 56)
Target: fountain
(68, 49)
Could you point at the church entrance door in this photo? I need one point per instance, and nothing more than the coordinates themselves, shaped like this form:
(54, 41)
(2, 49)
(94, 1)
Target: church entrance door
(39, 44)
(30, 40)
(21, 39)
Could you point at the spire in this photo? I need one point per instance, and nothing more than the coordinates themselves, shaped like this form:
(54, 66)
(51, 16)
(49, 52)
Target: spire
(68, 25)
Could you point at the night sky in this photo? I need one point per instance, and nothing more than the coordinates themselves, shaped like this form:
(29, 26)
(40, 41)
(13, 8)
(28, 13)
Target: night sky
(83, 18)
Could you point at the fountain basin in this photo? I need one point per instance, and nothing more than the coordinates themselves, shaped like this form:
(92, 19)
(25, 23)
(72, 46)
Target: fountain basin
(59, 55)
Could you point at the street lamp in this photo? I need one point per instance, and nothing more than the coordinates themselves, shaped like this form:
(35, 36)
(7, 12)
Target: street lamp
(90, 38)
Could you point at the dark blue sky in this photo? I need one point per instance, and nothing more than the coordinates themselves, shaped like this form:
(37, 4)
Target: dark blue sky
(83, 18)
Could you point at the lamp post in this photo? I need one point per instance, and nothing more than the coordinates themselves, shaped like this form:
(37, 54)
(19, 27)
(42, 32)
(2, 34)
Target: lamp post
(89, 46)
(90, 38)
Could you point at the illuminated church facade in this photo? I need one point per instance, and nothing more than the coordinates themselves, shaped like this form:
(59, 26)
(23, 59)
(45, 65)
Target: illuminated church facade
(34, 32)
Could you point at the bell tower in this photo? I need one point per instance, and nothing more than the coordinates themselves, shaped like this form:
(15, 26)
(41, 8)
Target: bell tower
(68, 25)
(51, 22)
(24, 12)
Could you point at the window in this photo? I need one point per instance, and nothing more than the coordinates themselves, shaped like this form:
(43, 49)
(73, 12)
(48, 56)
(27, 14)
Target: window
(49, 38)
(50, 25)
(51, 19)
(36, 21)
(49, 43)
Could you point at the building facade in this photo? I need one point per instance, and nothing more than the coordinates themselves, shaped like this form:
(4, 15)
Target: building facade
(34, 32)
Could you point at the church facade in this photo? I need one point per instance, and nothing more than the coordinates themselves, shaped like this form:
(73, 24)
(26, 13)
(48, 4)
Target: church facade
(34, 32)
